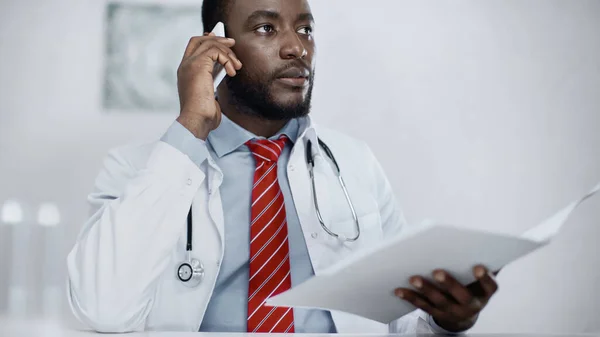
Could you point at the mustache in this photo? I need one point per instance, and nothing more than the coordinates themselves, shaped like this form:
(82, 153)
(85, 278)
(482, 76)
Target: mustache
(296, 64)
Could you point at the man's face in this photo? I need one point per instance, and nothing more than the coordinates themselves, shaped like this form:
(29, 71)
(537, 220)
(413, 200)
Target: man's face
(274, 41)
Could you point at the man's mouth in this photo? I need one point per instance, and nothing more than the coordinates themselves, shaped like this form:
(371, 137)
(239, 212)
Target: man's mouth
(294, 81)
(296, 77)
(295, 72)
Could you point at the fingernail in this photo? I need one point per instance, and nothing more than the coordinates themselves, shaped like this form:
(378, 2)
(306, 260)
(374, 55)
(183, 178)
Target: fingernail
(440, 276)
(479, 272)
(230, 39)
(476, 304)
(417, 283)
(400, 293)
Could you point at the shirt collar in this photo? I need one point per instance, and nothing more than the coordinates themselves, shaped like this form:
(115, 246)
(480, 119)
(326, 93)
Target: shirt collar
(229, 136)
(307, 132)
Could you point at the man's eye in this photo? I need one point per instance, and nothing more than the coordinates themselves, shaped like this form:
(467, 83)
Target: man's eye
(265, 29)
(306, 30)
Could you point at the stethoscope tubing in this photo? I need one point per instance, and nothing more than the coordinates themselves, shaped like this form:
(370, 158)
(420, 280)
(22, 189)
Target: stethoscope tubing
(311, 165)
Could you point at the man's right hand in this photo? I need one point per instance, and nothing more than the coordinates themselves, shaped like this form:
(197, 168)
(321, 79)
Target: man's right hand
(200, 112)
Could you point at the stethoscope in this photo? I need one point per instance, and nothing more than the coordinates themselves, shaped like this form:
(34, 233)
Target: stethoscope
(311, 166)
(191, 271)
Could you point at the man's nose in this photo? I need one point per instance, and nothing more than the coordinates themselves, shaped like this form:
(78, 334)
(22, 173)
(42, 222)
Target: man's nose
(292, 47)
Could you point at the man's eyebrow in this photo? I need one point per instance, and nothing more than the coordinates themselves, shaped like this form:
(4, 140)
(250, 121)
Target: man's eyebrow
(262, 14)
(266, 14)
(306, 17)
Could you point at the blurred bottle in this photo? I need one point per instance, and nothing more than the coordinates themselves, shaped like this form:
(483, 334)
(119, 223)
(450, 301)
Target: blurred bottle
(18, 271)
(52, 265)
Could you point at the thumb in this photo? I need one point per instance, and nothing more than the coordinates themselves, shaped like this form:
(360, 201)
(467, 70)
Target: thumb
(218, 116)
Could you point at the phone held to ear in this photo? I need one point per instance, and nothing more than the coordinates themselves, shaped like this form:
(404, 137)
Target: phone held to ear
(219, 71)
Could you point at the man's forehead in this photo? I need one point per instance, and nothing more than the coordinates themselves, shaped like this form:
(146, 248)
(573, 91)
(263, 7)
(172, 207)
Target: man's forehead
(242, 9)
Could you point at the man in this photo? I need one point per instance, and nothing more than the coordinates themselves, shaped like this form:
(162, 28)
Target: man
(239, 162)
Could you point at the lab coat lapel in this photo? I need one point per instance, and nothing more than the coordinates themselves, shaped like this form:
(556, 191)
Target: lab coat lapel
(208, 244)
(215, 208)
(300, 185)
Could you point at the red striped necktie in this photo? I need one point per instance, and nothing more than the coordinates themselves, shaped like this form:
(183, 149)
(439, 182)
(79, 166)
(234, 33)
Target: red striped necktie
(269, 249)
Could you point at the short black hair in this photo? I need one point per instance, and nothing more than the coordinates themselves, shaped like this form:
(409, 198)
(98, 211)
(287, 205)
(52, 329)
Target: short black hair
(214, 11)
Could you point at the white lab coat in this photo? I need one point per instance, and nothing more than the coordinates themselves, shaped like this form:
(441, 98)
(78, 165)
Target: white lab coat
(121, 271)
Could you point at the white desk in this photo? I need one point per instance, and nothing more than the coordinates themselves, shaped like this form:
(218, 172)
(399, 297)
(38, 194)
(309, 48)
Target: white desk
(10, 327)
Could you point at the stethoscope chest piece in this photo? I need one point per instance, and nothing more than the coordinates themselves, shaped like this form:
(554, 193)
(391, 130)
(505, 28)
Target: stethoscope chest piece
(190, 272)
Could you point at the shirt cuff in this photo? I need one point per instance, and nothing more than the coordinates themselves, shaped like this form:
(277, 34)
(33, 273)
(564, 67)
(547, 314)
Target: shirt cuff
(183, 140)
(439, 330)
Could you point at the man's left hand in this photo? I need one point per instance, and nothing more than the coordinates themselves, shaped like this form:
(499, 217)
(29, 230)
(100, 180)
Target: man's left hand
(453, 306)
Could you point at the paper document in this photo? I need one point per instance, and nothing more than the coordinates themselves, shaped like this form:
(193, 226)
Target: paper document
(364, 283)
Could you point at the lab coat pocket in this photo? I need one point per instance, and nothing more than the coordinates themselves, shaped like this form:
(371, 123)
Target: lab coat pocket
(336, 203)
(337, 216)
(370, 230)
(334, 250)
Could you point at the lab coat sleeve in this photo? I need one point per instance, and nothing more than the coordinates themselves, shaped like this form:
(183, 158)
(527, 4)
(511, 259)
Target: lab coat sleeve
(139, 213)
(393, 222)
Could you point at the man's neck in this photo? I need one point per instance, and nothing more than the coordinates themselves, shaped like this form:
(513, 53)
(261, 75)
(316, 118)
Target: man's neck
(253, 123)
(256, 125)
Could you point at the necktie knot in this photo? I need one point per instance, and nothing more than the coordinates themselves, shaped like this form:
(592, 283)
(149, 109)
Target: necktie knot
(266, 149)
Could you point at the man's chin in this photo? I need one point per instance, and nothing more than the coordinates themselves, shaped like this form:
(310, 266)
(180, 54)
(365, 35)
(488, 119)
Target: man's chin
(272, 101)
(290, 104)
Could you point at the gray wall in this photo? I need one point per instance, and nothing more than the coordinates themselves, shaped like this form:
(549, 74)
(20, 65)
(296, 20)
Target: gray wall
(483, 113)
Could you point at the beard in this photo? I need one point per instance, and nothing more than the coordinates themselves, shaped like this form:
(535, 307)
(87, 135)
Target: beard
(253, 97)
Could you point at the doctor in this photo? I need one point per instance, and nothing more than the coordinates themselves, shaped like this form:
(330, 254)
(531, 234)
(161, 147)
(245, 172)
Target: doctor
(194, 231)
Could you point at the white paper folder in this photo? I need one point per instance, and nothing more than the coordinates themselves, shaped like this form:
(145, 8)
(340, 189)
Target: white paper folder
(364, 283)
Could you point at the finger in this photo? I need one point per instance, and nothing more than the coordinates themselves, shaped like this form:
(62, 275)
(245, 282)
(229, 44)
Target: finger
(458, 292)
(216, 54)
(487, 281)
(225, 59)
(431, 292)
(237, 64)
(219, 115)
(443, 301)
(193, 43)
(207, 42)
(453, 313)
(420, 302)
(197, 41)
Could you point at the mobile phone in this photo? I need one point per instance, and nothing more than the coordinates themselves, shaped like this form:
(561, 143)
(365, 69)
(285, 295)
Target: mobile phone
(219, 71)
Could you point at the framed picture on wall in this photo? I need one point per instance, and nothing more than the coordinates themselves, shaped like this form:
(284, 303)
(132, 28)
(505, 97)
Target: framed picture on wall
(144, 45)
